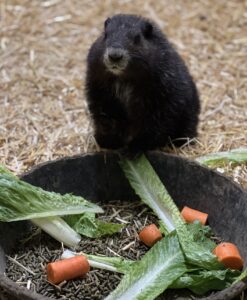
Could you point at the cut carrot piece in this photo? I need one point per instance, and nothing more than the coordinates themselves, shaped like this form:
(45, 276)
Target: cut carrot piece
(150, 235)
(190, 215)
(229, 256)
(67, 269)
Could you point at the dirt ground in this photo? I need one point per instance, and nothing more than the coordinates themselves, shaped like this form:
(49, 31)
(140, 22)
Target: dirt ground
(43, 49)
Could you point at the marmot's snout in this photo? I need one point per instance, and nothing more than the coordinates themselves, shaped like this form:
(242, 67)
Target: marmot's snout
(116, 59)
(115, 55)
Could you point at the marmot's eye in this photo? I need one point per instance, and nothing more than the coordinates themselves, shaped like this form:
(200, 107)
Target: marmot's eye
(137, 39)
(147, 29)
(107, 21)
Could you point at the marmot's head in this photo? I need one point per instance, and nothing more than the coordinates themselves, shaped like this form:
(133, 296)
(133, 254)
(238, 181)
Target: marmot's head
(128, 42)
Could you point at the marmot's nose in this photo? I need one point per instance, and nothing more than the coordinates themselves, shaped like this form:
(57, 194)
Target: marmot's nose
(115, 55)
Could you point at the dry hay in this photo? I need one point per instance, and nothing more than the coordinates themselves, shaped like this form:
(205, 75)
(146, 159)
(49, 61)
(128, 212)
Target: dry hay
(43, 48)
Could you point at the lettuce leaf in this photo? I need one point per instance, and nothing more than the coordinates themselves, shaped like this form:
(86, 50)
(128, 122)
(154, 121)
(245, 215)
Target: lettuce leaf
(88, 225)
(202, 234)
(20, 200)
(113, 264)
(149, 277)
(242, 276)
(151, 190)
(203, 281)
(220, 158)
(59, 230)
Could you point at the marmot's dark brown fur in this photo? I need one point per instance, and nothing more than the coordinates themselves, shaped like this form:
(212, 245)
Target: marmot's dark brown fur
(139, 91)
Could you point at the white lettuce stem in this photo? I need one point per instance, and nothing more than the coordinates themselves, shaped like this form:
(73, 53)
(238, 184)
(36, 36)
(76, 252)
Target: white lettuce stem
(59, 230)
(103, 266)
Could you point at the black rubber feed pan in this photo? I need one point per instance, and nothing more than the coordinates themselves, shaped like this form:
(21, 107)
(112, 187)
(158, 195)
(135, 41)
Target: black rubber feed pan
(98, 176)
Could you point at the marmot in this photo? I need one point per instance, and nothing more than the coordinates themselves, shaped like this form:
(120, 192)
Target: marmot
(140, 93)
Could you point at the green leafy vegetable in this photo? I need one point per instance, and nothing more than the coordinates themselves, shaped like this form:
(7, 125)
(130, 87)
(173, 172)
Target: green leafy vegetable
(201, 234)
(151, 190)
(113, 264)
(162, 228)
(202, 281)
(242, 276)
(59, 230)
(87, 224)
(149, 277)
(20, 201)
(220, 158)
(4, 170)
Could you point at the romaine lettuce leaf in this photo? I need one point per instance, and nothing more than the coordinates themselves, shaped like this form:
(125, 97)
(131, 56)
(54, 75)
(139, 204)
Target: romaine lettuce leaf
(242, 276)
(220, 158)
(149, 277)
(113, 264)
(202, 234)
(151, 190)
(88, 225)
(202, 281)
(20, 200)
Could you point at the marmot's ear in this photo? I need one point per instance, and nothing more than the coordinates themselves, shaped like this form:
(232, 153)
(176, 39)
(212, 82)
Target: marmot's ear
(147, 29)
(107, 21)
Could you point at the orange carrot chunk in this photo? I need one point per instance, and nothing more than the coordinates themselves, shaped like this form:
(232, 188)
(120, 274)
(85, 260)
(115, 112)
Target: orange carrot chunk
(150, 234)
(67, 269)
(190, 215)
(229, 256)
